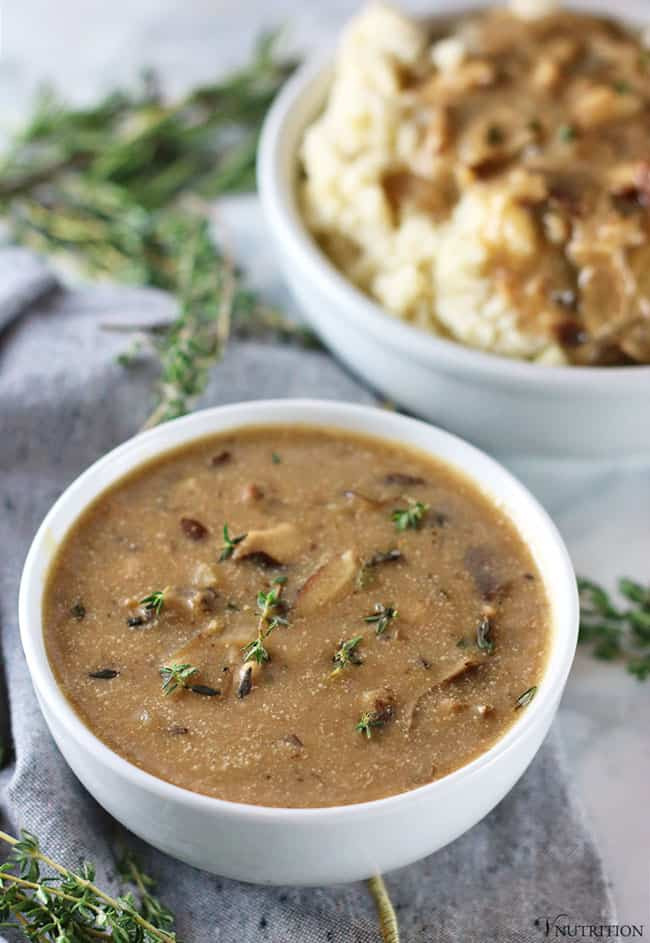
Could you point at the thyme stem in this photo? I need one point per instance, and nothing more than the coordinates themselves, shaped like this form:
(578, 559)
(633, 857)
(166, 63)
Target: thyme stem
(31, 850)
(385, 911)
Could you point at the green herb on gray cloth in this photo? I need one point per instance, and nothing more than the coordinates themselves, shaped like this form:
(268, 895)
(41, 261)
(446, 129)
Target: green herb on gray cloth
(617, 632)
(49, 902)
(119, 189)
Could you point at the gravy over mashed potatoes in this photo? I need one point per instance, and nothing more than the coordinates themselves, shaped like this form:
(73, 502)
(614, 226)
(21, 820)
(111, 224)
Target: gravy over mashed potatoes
(488, 178)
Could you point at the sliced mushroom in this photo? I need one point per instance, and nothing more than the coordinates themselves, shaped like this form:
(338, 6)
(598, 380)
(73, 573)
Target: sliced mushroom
(290, 745)
(193, 651)
(328, 582)
(193, 529)
(445, 673)
(280, 544)
(205, 574)
(251, 493)
(194, 600)
(362, 502)
(481, 563)
(403, 479)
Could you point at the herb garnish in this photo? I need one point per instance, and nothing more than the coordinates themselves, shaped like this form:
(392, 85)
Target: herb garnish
(229, 543)
(119, 188)
(346, 654)
(381, 617)
(494, 135)
(151, 908)
(78, 611)
(524, 699)
(176, 676)
(269, 619)
(154, 602)
(410, 517)
(370, 720)
(484, 635)
(566, 133)
(275, 458)
(616, 633)
(69, 908)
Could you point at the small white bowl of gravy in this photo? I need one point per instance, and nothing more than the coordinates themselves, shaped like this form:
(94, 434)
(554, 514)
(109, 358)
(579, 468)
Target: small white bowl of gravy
(298, 642)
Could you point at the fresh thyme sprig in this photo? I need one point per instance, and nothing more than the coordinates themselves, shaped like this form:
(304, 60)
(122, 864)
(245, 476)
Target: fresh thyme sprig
(269, 619)
(346, 654)
(229, 543)
(150, 907)
(118, 190)
(64, 906)
(615, 633)
(368, 721)
(381, 617)
(154, 602)
(410, 517)
(176, 676)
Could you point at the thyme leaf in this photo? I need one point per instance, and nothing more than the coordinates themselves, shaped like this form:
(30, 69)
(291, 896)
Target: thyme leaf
(154, 602)
(151, 908)
(176, 676)
(524, 699)
(270, 617)
(617, 633)
(566, 133)
(381, 617)
(118, 189)
(50, 903)
(369, 720)
(410, 517)
(229, 543)
(346, 654)
(382, 712)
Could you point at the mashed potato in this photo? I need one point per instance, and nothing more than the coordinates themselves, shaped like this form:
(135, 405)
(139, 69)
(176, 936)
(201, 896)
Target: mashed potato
(424, 180)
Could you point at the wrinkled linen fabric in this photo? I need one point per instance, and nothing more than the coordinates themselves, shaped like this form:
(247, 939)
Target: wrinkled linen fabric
(64, 401)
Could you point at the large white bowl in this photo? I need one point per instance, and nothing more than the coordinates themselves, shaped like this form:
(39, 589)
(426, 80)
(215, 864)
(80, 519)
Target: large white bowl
(301, 846)
(506, 406)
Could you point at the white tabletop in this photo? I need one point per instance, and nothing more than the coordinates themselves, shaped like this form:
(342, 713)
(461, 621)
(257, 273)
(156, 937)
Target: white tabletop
(88, 46)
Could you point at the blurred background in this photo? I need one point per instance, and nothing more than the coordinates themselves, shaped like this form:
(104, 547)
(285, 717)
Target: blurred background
(87, 46)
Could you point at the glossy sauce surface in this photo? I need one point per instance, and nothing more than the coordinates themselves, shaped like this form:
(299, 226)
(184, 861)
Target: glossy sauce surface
(413, 695)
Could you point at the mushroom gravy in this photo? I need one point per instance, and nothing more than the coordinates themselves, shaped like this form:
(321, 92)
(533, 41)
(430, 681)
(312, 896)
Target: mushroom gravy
(297, 617)
(487, 177)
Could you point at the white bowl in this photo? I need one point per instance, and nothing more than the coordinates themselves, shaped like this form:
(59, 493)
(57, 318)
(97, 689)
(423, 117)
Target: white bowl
(508, 407)
(301, 846)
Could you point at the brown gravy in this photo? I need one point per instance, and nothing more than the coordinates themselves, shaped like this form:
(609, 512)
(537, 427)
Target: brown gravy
(399, 645)
(565, 101)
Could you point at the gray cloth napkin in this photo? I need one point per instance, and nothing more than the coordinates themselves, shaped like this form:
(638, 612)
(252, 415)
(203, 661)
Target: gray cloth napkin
(63, 402)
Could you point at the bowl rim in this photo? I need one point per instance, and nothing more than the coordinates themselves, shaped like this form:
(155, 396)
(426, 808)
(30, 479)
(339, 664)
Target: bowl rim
(143, 448)
(304, 92)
